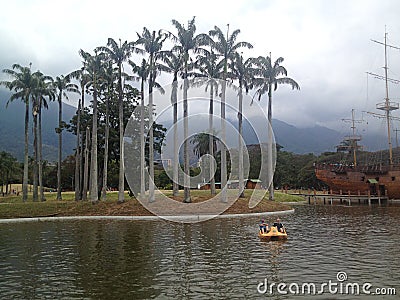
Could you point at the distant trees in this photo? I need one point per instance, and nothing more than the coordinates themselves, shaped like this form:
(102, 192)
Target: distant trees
(9, 167)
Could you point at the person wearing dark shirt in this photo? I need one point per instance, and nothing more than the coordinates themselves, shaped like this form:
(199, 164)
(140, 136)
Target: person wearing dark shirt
(279, 225)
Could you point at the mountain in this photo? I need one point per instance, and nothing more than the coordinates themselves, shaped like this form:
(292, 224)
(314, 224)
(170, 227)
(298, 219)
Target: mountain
(315, 139)
(12, 129)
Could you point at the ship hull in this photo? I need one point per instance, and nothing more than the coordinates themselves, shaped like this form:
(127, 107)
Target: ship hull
(358, 182)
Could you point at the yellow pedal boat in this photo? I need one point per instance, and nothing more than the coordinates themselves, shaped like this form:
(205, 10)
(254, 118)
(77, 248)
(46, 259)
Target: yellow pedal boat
(273, 234)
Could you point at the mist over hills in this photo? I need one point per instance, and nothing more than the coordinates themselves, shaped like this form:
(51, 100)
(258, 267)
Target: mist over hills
(315, 139)
(12, 129)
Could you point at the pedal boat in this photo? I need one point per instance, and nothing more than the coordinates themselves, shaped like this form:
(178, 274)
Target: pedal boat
(273, 234)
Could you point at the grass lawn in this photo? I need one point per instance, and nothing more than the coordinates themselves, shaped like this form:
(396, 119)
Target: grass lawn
(13, 207)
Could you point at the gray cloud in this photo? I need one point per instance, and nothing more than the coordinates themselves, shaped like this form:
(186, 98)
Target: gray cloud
(326, 44)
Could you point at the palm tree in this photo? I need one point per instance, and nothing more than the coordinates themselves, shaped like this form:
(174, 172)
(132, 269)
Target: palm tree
(82, 76)
(209, 71)
(270, 77)
(43, 88)
(93, 64)
(244, 73)
(62, 85)
(226, 46)
(22, 86)
(187, 41)
(119, 54)
(173, 64)
(142, 73)
(152, 45)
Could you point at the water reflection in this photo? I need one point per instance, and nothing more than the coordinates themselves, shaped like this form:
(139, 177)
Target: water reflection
(217, 259)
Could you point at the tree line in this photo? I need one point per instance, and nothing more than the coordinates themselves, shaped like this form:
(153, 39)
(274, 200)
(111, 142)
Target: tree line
(210, 56)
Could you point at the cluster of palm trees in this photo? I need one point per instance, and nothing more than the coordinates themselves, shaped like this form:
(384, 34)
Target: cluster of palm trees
(36, 89)
(211, 57)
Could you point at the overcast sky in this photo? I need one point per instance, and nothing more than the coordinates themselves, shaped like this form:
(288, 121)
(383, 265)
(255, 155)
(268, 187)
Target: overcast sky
(326, 44)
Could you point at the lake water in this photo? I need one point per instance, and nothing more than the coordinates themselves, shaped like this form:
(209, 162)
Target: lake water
(217, 259)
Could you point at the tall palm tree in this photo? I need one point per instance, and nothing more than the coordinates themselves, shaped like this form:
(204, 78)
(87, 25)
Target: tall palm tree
(22, 86)
(268, 78)
(62, 85)
(173, 64)
(187, 41)
(226, 46)
(110, 76)
(119, 54)
(93, 64)
(142, 72)
(210, 71)
(82, 77)
(43, 88)
(243, 71)
(152, 44)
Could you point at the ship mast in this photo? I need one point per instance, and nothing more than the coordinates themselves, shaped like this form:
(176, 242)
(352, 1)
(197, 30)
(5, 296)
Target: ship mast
(353, 139)
(387, 106)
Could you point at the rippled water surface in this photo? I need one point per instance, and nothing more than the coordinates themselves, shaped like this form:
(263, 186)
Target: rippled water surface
(219, 259)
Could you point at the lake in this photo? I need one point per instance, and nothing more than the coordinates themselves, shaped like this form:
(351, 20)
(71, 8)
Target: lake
(216, 259)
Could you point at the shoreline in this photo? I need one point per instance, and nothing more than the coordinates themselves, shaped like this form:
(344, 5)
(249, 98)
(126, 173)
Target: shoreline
(145, 218)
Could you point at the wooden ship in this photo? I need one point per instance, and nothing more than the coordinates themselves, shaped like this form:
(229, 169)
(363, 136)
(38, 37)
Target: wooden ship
(362, 178)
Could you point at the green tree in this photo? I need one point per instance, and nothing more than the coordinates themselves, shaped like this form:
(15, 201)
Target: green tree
(8, 166)
(268, 78)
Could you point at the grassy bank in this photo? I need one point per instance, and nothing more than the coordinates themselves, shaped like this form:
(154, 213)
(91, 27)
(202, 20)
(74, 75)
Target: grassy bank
(13, 207)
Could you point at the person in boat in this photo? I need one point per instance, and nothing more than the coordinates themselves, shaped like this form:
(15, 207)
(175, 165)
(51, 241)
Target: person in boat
(279, 225)
(263, 226)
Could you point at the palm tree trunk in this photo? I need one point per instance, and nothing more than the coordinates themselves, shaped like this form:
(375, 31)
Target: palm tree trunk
(42, 198)
(270, 152)
(186, 167)
(223, 147)
(59, 197)
(82, 151)
(105, 163)
(26, 154)
(86, 167)
(175, 183)
(211, 141)
(121, 178)
(93, 193)
(151, 141)
(35, 156)
(142, 148)
(241, 179)
(78, 155)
